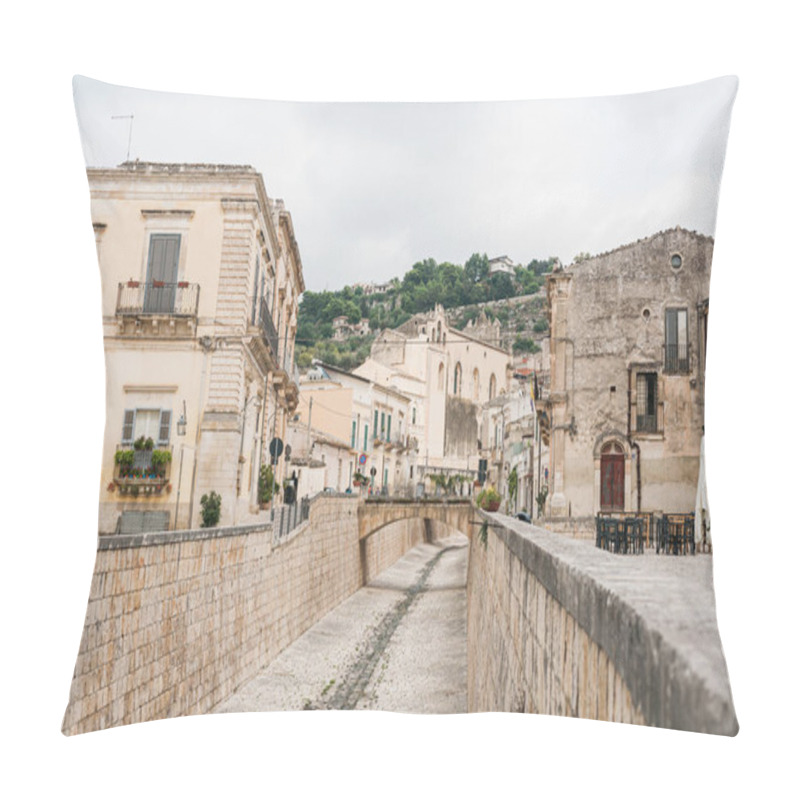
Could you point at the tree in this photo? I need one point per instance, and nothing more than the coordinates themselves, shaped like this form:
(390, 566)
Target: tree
(477, 267)
(582, 256)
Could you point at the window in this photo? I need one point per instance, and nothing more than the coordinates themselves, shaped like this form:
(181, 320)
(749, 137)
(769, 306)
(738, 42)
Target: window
(476, 385)
(441, 377)
(383, 425)
(647, 402)
(353, 435)
(457, 380)
(375, 425)
(676, 336)
(389, 428)
(366, 436)
(414, 415)
(492, 387)
(152, 423)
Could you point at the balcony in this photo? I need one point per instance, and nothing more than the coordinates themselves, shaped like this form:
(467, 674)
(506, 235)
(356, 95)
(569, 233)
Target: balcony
(139, 470)
(157, 307)
(676, 359)
(268, 330)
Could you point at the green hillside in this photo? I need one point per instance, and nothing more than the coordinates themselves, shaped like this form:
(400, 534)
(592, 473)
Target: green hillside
(427, 283)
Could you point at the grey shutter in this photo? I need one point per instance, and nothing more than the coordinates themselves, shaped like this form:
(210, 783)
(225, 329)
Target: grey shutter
(127, 426)
(672, 326)
(163, 428)
(162, 266)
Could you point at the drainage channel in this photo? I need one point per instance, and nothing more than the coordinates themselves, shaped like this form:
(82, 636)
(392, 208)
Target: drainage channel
(354, 683)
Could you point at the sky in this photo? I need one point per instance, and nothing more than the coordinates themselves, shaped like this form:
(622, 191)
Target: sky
(375, 187)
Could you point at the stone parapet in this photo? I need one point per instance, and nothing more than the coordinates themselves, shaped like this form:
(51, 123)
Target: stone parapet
(556, 626)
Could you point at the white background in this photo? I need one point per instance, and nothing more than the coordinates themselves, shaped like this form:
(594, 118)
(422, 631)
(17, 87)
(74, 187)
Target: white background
(53, 402)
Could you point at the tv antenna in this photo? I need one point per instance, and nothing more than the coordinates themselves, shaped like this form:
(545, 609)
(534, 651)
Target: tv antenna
(130, 131)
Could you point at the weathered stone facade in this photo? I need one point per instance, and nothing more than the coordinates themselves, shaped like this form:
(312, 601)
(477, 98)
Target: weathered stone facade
(627, 363)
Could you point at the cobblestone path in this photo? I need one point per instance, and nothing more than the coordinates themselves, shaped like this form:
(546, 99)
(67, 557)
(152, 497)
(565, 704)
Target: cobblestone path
(398, 644)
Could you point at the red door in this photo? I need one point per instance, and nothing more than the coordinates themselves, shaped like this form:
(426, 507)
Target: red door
(612, 482)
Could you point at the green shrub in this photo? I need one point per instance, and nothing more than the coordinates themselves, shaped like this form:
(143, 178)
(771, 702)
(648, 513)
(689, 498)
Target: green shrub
(211, 505)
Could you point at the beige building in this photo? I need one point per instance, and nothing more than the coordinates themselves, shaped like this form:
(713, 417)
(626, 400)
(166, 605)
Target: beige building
(448, 376)
(201, 276)
(373, 419)
(627, 364)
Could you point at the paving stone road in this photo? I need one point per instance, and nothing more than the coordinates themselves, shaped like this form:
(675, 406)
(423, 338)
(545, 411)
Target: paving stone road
(398, 644)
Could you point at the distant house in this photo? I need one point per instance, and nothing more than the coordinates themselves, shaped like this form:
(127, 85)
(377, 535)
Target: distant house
(343, 329)
(501, 264)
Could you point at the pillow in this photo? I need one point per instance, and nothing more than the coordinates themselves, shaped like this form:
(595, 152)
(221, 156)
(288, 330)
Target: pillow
(425, 435)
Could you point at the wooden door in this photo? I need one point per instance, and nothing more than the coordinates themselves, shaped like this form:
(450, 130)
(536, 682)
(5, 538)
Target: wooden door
(612, 482)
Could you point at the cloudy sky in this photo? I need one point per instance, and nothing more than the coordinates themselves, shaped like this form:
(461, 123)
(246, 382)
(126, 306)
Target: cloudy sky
(374, 188)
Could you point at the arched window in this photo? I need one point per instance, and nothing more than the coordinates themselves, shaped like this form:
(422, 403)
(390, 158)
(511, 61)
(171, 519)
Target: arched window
(476, 385)
(457, 380)
(492, 387)
(414, 415)
(439, 331)
(441, 377)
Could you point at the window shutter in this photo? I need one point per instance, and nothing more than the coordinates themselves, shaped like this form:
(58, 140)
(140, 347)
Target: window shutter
(672, 326)
(389, 427)
(163, 428)
(127, 426)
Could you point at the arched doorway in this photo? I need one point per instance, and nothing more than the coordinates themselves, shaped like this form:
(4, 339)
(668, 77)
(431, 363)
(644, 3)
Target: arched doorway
(612, 477)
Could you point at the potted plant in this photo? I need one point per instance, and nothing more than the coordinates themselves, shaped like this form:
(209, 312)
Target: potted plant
(211, 505)
(266, 486)
(159, 461)
(124, 460)
(489, 499)
(541, 498)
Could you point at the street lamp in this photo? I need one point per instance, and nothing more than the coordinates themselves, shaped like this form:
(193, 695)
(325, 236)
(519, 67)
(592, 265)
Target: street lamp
(181, 424)
(181, 430)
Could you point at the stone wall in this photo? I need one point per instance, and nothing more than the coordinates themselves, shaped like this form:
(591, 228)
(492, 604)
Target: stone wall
(556, 626)
(381, 549)
(177, 621)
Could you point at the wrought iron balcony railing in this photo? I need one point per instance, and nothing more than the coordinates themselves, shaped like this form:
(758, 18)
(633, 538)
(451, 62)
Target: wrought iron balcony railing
(676, 359)
(178, 299)
(268, 330)
(143, 470)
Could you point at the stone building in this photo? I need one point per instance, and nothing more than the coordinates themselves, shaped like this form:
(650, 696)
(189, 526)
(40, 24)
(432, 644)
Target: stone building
(627, 363)
(201, 276)
(448, 375)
